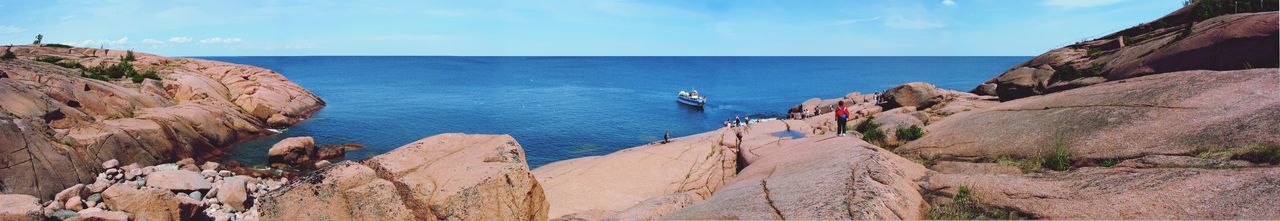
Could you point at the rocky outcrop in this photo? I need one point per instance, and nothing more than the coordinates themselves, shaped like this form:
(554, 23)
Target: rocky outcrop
(442, 177)
(1171, 114)
(1127, 193)
(642, 182)
(58, 125)
(821, 177)
(1183, 40)
(915, 94)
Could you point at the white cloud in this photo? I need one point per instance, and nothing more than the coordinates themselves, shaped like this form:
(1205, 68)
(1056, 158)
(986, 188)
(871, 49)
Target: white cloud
(105, 43)
(949, 2)
(899, 22)
(220, 40)
(152, 41)
(180, 39)
(1079, 3)
(9, 29)
(854, 21)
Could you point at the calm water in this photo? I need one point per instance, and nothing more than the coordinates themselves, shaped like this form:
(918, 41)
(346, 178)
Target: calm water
(566, 107)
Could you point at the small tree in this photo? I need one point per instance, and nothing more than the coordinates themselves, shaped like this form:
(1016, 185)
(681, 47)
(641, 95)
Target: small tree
(128, 56)
(8, 55)
(39, 37)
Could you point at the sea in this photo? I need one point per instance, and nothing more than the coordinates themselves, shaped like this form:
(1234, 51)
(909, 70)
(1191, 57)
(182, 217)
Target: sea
(561, 108)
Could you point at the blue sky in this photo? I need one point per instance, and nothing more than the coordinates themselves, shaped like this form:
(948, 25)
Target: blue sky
(575, 27)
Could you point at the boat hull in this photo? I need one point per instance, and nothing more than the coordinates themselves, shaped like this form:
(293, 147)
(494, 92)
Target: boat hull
(691, 102)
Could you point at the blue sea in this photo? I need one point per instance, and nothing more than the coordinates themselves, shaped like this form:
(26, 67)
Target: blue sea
(567, 107)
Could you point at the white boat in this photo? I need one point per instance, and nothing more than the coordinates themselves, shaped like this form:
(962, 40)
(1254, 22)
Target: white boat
(691, 98)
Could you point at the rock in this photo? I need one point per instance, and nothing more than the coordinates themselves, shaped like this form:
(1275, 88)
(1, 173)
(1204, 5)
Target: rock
(96, 197)
(196, 195)
(694, 164)
(293, 150)
(62, 121)
(820, 178)
(327, 152)
(322, 164)
(73, 191)
(19, 207)
(210, 165)
(99, 185)
(1127, 193)
(110, 164)
(1166, 114)
(1226, 42)
(102, 216)
(918, 94)
(178, 180)
(149, 204)
(446, 177)
(232, 193)
(65, 214)
(74, 204)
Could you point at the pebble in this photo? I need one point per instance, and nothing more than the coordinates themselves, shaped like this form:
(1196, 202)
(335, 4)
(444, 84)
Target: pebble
(96, 197)
(225, 173)
(196, 195)
(113, 163)
(65, 214)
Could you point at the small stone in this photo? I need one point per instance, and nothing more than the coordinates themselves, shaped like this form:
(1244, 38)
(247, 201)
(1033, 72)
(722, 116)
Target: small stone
(75, 191)
(113, 163)
(90, 204)
(210, 165)
(208, 173)
(99, 185)
(140, 181)
(96, 197)
(65, 214)
(186, 161)
(112, 172)
(166, 167)
(225, 173)
(74, 204)
(322, 164)
(182, 194)
(196, 195)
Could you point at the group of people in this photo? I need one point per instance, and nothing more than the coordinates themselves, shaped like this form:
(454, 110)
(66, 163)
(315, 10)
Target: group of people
(737, 121)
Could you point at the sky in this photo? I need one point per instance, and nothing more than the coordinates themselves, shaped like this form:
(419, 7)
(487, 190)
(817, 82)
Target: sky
(575, 27)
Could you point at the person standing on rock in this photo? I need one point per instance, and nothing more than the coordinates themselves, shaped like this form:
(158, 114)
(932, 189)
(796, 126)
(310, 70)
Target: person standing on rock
(842, 115)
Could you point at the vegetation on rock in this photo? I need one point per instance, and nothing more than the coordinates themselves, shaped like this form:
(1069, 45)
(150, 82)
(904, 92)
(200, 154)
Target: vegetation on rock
(965, 206)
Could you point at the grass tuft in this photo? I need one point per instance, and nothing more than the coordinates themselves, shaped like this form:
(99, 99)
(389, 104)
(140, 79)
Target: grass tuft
(1060, 158)
(910, 134)
(965, 206)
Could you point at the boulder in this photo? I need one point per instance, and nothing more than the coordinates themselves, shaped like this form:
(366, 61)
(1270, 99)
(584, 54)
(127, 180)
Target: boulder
(149, 204)
(110, 164)
(447, 176)
(1126, 193)
(73, 191)
(178, 180)
(293, 151)
(697, 164)
(232, 193)
(918, 94)
(820, 178)
(1167, 114)
(20, 207)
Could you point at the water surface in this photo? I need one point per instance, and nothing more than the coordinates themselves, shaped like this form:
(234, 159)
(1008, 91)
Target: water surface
(567, 107)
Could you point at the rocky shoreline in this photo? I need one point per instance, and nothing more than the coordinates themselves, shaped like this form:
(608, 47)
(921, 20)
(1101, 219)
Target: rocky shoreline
(1119, 127)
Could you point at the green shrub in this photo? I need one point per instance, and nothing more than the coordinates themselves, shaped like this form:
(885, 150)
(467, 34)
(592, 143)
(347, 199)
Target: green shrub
(873, 136)
(56, 45)
(1109, 162)
(964, 206)
(91, 75)
(128, 56)
(118, 70)
(8, 55)
(149, 74)
(48, 59)
(1060, 158)
(70, 64)
(909, 134)
(1067, 72)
